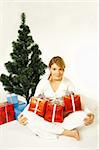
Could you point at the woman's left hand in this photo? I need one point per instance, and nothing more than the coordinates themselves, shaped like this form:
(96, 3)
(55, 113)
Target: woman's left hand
(89, 119)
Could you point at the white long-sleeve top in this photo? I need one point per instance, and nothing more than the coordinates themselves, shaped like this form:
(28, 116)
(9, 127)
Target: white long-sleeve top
(42, 127)
(45, 88)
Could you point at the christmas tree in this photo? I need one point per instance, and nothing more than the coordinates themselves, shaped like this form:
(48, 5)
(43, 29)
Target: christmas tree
(26, 67)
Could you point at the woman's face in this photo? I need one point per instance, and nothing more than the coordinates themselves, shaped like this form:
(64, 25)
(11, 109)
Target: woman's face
(56, 72)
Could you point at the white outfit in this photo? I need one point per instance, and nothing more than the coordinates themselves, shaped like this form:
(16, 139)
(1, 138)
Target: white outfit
(47, 129)
(45, 88)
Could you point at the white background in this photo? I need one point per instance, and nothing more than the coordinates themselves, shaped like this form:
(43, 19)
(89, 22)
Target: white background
(66, 28)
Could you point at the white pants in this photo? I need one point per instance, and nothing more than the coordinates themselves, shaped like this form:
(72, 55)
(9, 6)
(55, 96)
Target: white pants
(47, 129)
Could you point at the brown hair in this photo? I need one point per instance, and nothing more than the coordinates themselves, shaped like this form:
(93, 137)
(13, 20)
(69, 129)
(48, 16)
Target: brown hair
(57, 60)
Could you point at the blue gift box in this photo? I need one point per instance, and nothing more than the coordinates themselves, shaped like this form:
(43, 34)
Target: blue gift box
(18, 105)
(21, 106)
(17, 113)
(12, 98)
(18, 108)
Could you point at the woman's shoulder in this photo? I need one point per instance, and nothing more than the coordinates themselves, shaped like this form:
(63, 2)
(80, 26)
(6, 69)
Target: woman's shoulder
(43, 80)
(66, 80)
(70, 85)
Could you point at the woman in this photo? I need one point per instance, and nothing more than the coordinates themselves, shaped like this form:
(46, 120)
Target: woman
(56, 85)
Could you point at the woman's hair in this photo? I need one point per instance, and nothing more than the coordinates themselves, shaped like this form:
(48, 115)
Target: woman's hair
(57, 60)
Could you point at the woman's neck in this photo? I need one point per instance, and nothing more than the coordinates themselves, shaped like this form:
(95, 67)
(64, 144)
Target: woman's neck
(55, 83)
(54, 80)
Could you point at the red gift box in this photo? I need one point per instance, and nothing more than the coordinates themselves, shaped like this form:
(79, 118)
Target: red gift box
(6, 112)
(54, 112)
(38, 105)
(72, 103)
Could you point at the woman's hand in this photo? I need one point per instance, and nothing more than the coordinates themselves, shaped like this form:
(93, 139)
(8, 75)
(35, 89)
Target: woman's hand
(22, 120)
(89, 119)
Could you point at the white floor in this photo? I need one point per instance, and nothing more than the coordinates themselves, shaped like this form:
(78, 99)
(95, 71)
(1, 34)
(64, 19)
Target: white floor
(14, 136)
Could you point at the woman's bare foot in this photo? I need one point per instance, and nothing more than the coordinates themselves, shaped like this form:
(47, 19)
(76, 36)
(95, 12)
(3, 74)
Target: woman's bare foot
(72, 133)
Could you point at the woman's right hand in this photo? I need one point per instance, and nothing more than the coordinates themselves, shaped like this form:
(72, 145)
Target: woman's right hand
(22, 120)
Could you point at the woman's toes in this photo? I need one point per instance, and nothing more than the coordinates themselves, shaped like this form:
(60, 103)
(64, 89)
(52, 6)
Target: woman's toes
(76, 134)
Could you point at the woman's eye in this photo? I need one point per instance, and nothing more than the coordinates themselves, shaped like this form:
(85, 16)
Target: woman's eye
(54, 68)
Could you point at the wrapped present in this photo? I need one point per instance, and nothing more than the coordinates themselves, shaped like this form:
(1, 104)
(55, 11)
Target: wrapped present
(12, 98)
(54, 111)
(17, 113)
(19, 107)
(6, 112)
(72, 103)
(38, 105)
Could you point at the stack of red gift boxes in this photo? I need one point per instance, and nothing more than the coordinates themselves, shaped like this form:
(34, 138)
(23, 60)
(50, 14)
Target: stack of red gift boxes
(6, 112)
(10, 110)
(72, 103)
(52, 109)
(38, 105)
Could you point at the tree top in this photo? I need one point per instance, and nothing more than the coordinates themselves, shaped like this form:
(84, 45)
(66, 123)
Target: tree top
(23, 18)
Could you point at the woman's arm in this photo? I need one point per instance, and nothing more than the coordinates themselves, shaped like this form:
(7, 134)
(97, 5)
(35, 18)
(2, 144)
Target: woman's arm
(90, 116)
(39, 90)
(21, 118)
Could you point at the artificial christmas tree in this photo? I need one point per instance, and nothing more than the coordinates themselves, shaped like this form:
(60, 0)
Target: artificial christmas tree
(26, 66)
